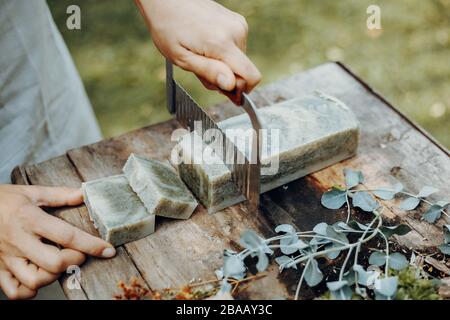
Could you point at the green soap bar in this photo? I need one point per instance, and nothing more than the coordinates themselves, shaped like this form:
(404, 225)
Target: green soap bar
(159, 187)
(314, 132)
(117, 212)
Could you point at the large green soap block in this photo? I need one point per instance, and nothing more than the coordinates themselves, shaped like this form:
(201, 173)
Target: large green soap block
(314, 132)
(117, 212)
(159, 187)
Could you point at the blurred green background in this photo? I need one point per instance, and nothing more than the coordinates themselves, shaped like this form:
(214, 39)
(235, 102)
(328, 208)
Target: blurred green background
(408, 61)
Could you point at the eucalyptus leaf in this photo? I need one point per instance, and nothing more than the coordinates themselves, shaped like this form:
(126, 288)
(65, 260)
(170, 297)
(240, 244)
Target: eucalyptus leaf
(364, 200)
(342, 226)
(443, 203)
(313, 275)
(400, 230)
(334, 199)
(252, 241)
(397, 261)
(331, 233)
(336, 285)
(388, 193)
(263, 262)
(289, 247)
(334, 254)
(385, 194)
(409, 203)
(377, 258)
(233, 267)
(287, 228)
(446, 228)
(365, 278)
(355, 224)
(284, 261)
(386, 286)
(432, 214)
(353, 178)
(321, 228)
(427, 191)
(345, 293)
(445, 248)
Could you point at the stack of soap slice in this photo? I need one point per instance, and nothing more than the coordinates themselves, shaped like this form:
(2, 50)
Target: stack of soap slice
(117, 212)
(302, 135)
(123, 207)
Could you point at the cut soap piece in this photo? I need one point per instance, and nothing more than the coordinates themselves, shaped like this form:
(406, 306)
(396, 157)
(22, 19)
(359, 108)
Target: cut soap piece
(159, 187)
(117, 212)
(314, 132)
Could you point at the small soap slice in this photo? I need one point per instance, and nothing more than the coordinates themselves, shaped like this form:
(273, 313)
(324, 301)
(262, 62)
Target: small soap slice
(314, 132)
(117, 212)
(159, 187)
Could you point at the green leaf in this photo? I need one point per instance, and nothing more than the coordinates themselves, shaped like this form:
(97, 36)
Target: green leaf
(353, 178)
(427, 191)
(409, 203)
(377, 258)
(334, 199)
(432, 214)
(397, 261)
(365, 201)
(400, 230)
(386, 286)
(445, 248)
(313, 275)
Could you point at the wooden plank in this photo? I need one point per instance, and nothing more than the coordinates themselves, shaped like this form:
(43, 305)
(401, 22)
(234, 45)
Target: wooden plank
(99, 278)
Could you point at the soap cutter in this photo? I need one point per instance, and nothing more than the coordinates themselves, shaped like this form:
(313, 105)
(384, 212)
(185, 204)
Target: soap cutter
(245, 174)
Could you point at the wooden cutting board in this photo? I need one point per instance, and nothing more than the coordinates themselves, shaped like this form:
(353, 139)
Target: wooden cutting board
(182, 250)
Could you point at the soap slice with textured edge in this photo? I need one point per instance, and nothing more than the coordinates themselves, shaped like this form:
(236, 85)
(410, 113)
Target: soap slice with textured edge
(314, 132)
(159, 187)
(117, 212)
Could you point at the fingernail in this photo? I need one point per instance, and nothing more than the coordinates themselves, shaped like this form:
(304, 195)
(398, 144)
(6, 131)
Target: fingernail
(109, 252)
(223, 82)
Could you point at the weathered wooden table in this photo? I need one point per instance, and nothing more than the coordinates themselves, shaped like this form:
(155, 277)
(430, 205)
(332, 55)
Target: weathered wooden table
(182, 250)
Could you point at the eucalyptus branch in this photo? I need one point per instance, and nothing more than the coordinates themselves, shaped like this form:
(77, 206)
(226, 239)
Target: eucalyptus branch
(297, 290)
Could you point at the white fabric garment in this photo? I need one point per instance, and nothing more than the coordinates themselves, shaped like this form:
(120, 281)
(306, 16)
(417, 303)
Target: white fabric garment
(44, 109)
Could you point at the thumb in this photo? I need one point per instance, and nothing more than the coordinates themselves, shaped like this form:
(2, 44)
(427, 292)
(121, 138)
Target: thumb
(213, 71)
(53, 196)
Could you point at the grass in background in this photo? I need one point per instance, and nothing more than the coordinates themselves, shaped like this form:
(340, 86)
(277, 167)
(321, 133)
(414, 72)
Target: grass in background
(408, 61)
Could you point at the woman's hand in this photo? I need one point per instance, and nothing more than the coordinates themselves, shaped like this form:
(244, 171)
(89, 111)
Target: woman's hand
(26, 261)
(203, 37)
